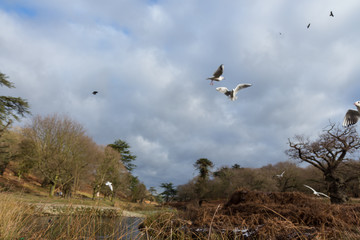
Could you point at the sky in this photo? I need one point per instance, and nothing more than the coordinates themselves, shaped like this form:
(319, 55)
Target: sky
(149, 61)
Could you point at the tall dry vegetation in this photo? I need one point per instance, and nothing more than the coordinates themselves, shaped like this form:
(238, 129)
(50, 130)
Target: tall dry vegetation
(22, 221)
(14, 217)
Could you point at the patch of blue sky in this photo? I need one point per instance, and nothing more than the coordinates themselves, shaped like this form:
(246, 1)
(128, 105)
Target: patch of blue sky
(21, 10)
(152, 2)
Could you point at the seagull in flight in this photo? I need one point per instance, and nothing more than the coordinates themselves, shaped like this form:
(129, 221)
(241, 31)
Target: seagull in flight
(94, 92)
(352, 116)
(280, 175)
(110, 185)
(217, 75)
(232, 93)
(331, 14)
(317, 193)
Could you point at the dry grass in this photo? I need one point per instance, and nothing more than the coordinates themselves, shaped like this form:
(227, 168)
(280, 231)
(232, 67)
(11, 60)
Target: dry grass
(14, 217)
(260, 215)
(20, 220)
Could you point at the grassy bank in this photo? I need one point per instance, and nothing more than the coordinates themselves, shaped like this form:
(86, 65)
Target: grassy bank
(25, 220)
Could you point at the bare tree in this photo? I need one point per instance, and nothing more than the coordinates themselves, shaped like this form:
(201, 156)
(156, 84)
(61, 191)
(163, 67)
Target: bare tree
(55, 144)
(327, 153)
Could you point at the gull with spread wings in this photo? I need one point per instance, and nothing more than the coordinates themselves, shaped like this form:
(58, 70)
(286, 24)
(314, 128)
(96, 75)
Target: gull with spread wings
(316, 192)
(352, 116)
(232, 93)
(217, 75)
(280, 175)
(110, 185)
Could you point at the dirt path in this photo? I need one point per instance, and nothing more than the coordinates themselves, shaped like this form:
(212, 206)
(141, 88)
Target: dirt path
(59, 208)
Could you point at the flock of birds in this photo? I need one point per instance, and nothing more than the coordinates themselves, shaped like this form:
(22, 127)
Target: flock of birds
(351, 116)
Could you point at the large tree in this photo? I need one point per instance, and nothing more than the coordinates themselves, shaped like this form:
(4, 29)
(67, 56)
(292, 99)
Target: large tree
(201, 186)
(169, 191)
(11, 108)
(126, 156)
(327, 153)
(55, 145)
(203, 165)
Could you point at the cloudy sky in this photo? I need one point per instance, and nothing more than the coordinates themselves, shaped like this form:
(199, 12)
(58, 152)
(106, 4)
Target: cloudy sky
(149, 60)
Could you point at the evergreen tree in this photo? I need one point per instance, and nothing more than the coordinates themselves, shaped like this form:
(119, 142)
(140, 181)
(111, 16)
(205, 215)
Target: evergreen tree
(126, 156)
(11, 108)
(169, 192)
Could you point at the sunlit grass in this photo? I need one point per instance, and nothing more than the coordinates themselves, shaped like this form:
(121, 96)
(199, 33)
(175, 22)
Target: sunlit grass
(21, 220)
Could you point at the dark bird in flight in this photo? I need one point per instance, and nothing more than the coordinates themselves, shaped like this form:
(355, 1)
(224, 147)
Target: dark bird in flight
(94, 92)
(217, 75)
(331, 14)
(308, 25)
(232, 93)
(352, 116)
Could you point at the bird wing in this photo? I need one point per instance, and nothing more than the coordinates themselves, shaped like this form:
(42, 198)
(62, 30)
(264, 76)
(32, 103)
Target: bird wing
(310, 188)
(241, 86)
(219, 71)
(323, 194)
(351, 117)
(222, 89)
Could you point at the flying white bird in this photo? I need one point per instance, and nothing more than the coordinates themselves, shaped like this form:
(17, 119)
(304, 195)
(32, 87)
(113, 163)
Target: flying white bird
(217, 75)
(317, 193)
(281, 175)
(232, 94)
(352, 116)
(110, 185)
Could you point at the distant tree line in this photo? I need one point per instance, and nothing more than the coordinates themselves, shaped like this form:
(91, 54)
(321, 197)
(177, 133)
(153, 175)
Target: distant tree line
(333, 169)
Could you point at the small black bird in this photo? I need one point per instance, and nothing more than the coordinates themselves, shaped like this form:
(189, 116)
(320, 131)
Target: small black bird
(331, 14)
(308, 25)
(94, 92)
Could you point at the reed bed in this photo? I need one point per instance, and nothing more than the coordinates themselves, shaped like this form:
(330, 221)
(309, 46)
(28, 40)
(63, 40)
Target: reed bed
(24, 221)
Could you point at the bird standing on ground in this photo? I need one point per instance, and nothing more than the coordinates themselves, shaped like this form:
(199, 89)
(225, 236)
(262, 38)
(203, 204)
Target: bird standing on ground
(352, 116)
(316, 192)
(217, 75)
(94, 92)
(331, 14)
(232, 94)
(110, 185)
